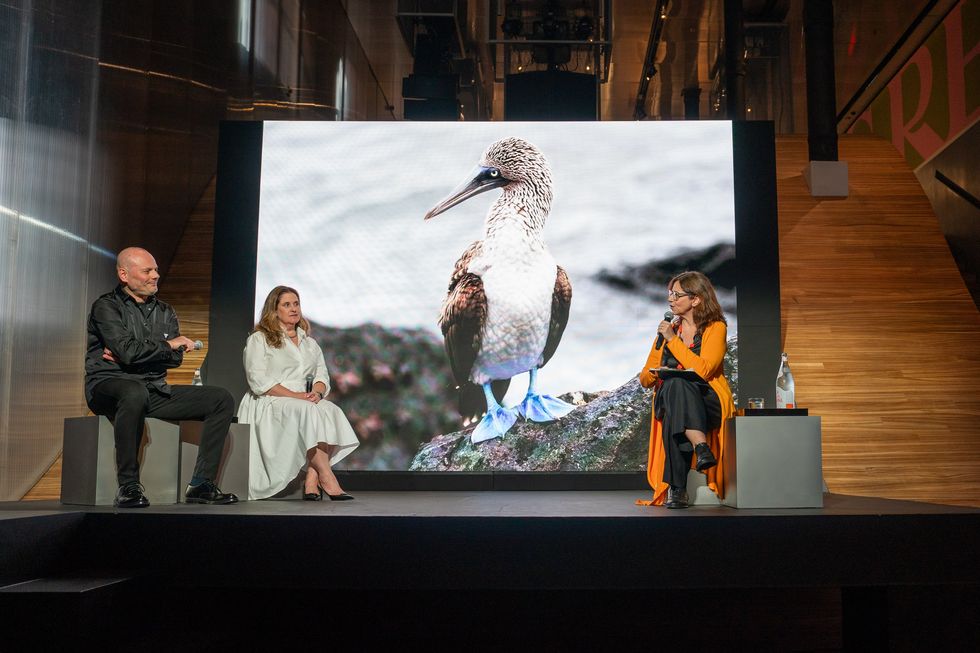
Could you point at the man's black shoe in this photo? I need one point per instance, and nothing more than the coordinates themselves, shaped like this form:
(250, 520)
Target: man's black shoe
(706, 459)
(130, 496)
(208, 492)
(676, 498)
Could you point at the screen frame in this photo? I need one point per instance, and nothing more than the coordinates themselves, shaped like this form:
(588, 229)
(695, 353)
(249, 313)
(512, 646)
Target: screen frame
(233, 270)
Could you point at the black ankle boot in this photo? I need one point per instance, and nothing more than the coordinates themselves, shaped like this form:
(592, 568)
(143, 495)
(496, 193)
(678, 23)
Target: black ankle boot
(676, 498)
(706, 459)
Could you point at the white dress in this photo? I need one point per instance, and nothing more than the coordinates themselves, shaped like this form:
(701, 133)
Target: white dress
(284, 428)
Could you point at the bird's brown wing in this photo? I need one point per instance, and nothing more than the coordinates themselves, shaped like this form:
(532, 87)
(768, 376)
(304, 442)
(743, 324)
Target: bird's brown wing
(462, 319)
(561, 303)
(463, 315)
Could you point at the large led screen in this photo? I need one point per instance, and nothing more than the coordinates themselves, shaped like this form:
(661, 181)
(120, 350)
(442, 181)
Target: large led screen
(621, 208)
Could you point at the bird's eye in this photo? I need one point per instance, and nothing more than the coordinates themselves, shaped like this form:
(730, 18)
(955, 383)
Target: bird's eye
(494, 173)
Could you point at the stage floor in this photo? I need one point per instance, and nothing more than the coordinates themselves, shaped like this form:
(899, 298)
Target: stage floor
(564, 504)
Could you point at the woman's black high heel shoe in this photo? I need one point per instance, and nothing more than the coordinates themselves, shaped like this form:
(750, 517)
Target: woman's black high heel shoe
(314, 496)
(343, 496)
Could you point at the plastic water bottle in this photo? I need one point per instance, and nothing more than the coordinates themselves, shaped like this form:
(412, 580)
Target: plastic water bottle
(785, 388)
(197, 378)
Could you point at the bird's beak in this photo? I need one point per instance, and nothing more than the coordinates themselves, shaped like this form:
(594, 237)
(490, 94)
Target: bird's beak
(480, 180)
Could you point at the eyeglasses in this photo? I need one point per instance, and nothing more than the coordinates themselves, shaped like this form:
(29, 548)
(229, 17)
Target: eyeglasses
(677, 295)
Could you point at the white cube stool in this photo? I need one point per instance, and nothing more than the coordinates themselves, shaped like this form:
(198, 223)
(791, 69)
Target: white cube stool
(88, 476)
(698, 492)
(233, 469)
(773, 462)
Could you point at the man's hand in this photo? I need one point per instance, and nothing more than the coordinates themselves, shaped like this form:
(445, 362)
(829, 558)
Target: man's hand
(108, 355)
(181, 341)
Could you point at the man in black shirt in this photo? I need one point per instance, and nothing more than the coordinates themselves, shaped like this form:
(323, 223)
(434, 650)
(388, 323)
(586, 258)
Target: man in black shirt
(133, 339)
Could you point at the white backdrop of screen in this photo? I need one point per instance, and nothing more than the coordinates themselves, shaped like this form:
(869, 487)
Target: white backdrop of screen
(341, 221)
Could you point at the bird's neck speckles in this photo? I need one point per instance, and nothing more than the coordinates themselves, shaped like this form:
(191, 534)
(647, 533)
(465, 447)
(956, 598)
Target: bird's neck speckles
(534, 192)
(509, 242)
(524, 206)
(509, 228)
(512, 233)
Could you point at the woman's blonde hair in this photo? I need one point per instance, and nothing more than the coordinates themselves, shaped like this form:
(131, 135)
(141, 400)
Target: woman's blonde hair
(709, 310)
(269, 321)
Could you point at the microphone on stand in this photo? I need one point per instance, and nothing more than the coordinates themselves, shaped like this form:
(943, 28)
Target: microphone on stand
(660, 337)
(309, 383)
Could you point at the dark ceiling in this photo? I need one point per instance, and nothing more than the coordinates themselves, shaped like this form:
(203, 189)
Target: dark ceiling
(688, 37)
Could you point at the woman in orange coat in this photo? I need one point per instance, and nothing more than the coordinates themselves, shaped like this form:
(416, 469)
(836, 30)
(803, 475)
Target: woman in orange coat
(689, 417)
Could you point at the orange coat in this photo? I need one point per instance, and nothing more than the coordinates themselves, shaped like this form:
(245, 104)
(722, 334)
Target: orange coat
(710, 367)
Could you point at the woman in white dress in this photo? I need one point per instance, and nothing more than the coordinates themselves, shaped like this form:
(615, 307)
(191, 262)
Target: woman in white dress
(292, 429)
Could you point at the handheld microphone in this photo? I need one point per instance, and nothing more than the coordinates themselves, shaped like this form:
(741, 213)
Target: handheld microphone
(197, 345)
(309, 383)
(660, 337)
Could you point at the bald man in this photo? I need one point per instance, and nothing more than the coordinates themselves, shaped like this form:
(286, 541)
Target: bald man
(133, 339)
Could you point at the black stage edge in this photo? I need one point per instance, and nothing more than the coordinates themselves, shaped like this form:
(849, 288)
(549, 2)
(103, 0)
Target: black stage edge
(562, 569)
(357, 480)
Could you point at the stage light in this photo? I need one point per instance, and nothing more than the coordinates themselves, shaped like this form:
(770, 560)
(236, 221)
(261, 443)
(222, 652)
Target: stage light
(550, 29)
(583, 28)
(512, 27)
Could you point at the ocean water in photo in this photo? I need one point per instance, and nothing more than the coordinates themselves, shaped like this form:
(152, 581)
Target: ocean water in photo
(342, 206)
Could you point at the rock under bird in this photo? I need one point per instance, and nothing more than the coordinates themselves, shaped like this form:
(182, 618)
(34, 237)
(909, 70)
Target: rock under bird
(508, 299)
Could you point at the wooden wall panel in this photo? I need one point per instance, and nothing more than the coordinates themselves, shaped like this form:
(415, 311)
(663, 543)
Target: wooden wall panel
(187, 286)
(883, 337)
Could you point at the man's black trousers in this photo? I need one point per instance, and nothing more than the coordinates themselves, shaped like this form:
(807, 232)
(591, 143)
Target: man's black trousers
(129, 402)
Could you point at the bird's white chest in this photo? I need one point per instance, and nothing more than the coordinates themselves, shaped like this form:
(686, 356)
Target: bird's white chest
(519, 286)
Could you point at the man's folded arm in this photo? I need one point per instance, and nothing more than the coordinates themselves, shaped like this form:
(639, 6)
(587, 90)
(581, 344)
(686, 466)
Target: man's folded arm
(126, 347)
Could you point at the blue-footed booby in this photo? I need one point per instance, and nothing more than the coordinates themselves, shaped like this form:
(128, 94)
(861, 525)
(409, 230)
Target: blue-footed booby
(508, 300)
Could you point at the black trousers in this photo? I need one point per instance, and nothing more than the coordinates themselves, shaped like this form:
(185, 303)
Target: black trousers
(128, 403)
(681, 405)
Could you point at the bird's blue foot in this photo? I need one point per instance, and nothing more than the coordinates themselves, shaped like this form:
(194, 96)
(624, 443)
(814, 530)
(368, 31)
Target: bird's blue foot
(494, 424)
(543, 408)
